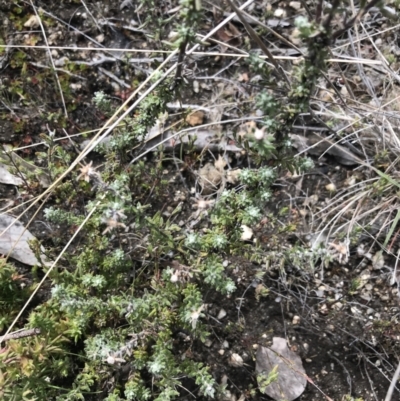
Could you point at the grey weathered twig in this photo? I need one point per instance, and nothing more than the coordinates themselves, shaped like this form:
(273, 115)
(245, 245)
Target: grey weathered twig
(21, 334)
(393, 383)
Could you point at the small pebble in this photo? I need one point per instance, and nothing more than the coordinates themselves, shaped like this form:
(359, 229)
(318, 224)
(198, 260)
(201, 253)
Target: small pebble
(236, 361)
(280, 13)
(295, 4)
(331, 187)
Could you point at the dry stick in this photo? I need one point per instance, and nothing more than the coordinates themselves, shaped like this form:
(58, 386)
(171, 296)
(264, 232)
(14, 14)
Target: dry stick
(318, 11)
(16, 207)
(394, 275)
(356, 18)
(349, 381)
(257, 39)
(393, 383)
(386, 63)
(98, 137)
(360, 69)
(88, 11)
(80, 48)
(21, 334)
(240, 53)
(346, 83)
(71, 27)
(371, 383)
(233, 120)
(40, 65)
(356, 339)
(327, 23)
(51, 59)
(276, 34)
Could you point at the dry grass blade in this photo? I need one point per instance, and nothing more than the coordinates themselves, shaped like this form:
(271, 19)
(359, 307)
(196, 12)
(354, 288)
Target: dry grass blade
(51, 58)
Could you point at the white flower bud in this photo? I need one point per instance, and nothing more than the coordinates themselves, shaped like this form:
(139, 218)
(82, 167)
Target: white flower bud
(259, 134)
(174, 278)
